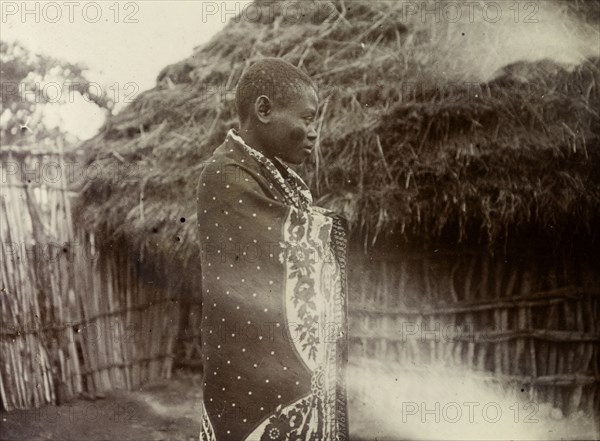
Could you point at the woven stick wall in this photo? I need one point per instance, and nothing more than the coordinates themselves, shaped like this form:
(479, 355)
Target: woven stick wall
(531, 323)
(73, 320)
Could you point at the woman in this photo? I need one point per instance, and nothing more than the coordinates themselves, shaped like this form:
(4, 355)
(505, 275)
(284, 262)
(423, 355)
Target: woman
(274, 285)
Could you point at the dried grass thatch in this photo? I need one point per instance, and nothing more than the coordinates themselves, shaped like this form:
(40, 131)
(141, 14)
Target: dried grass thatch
(407, 144)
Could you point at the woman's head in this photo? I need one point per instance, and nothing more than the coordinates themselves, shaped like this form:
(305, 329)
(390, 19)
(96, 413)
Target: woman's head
(277, 104)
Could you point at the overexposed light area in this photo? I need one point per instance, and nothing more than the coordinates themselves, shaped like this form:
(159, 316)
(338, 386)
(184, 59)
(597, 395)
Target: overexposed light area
(118, 41)
(122, 45)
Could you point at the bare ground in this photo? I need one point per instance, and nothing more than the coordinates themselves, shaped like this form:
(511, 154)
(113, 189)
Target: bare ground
(169, 410)
(166, 410)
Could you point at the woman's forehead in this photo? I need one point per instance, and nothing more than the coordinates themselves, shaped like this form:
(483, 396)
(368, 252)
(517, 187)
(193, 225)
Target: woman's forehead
(306, 100)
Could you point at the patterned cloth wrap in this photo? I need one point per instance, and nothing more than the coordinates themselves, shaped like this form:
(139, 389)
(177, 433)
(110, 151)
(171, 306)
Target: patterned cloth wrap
(274, 325)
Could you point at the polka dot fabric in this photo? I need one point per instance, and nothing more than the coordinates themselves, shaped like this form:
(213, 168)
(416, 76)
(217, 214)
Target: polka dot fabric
(257, 231)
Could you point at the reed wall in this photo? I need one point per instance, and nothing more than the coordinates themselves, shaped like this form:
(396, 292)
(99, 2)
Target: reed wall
(531, 322)
(76, 318)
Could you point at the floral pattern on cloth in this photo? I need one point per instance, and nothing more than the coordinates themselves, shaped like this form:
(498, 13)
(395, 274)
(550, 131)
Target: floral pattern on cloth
(296, 422)
(266, 388)
(305, 258)
(206, 430)
(295, 189)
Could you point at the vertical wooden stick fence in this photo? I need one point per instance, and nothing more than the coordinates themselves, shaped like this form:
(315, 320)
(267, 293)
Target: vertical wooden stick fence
(75, 319)
(528, 323)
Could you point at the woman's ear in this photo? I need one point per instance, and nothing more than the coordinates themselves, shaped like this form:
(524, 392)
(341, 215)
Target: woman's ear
(263, 108)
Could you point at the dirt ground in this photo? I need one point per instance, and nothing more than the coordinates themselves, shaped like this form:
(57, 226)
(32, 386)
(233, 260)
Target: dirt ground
(166, 410)
(169, 410)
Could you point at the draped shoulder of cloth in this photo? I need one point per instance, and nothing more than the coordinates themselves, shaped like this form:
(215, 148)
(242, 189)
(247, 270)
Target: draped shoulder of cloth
(274, 303)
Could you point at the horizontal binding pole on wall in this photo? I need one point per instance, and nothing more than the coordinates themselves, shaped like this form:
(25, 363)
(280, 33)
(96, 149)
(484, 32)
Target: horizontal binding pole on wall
(546, 298)
(477, 337)
(83, 322)
(121, 365)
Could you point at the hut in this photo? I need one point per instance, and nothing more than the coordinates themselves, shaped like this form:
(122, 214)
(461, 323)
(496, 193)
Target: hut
(473, 204)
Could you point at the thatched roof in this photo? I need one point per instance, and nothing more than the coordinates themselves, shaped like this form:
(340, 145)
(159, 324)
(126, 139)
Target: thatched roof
(403, 148)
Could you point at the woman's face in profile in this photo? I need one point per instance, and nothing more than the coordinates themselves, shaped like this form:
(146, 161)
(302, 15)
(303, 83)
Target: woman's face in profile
(293, 127)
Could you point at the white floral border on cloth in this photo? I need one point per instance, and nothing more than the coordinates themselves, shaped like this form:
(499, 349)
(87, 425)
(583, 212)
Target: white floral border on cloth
(300, 195)
(308, 231)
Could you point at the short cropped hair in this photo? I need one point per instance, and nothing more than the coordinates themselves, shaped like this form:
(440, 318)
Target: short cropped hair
(281, 81)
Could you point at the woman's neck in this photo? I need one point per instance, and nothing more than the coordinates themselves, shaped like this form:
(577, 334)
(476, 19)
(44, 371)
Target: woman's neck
(252, 139)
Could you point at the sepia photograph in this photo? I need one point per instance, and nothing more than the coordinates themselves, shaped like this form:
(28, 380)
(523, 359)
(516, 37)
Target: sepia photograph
(300, 220)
